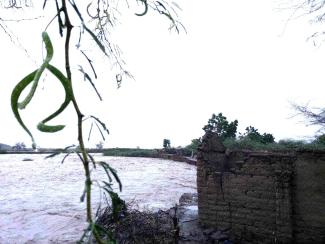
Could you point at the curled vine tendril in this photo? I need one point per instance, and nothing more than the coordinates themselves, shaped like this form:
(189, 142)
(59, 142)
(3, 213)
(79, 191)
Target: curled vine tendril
(34, 78)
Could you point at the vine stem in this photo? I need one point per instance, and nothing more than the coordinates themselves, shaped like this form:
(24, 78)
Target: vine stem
(85, 159)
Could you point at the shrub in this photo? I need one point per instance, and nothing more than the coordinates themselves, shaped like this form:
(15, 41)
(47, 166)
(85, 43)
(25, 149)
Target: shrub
(194, 145)
(253, 134)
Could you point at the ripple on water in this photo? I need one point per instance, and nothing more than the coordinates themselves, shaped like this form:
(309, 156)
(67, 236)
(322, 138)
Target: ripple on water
(40, 199)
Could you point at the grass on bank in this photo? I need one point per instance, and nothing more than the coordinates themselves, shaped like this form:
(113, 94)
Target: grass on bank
(282, 145)
(232, 144)
(130, 152)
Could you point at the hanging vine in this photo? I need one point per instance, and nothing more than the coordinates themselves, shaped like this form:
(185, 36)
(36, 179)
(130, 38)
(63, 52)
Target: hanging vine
(102, 12)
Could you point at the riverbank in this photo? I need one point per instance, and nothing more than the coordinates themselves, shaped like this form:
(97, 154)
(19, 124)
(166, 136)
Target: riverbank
(179, 224)
(118, 152)
(178, 155)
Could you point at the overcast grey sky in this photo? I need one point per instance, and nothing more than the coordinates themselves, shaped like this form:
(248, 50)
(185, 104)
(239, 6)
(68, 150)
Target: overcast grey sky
(238, 57)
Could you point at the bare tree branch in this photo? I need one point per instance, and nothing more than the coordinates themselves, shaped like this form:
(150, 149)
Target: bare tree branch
(314, 116)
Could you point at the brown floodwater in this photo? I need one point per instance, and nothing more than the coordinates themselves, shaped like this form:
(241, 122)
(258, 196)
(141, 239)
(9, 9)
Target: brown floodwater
(40, 199)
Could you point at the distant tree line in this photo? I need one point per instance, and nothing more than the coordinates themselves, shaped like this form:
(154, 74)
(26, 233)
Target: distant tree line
(251, 138)
(228, 130)
(19, 146)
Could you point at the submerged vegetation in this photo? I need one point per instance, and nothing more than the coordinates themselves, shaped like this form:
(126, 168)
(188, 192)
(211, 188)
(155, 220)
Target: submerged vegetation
(134, 226)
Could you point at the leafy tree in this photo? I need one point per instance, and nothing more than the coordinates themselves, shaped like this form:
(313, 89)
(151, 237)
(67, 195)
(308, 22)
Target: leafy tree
(220, 125)
(253, 134)
(166, 143)
(194, 145)
(267, 138)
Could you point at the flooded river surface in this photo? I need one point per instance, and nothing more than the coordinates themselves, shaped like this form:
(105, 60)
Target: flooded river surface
(40, 199)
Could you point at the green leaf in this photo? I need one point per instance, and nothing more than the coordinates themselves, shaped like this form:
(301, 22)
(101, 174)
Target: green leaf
(65, 156)
(107, 173)
(92, 160)
(101, 46)
(59, 152)
(113, 172)
(19, 88)
(34, 77)
(82, 197)
(68, 96)
(87, 77)
(101, 123)
(100, 131)
(49, 128)
(117, 203)
(108, 185)
(49, 56)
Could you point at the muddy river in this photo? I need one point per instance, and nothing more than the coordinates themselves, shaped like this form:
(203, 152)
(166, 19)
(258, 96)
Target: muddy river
(40, 199)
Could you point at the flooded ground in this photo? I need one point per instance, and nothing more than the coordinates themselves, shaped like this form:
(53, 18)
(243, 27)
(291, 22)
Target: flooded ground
(40, 199)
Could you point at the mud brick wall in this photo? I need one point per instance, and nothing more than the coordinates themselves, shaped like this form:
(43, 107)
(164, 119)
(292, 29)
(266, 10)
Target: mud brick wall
(309, 204)
(261, 197)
